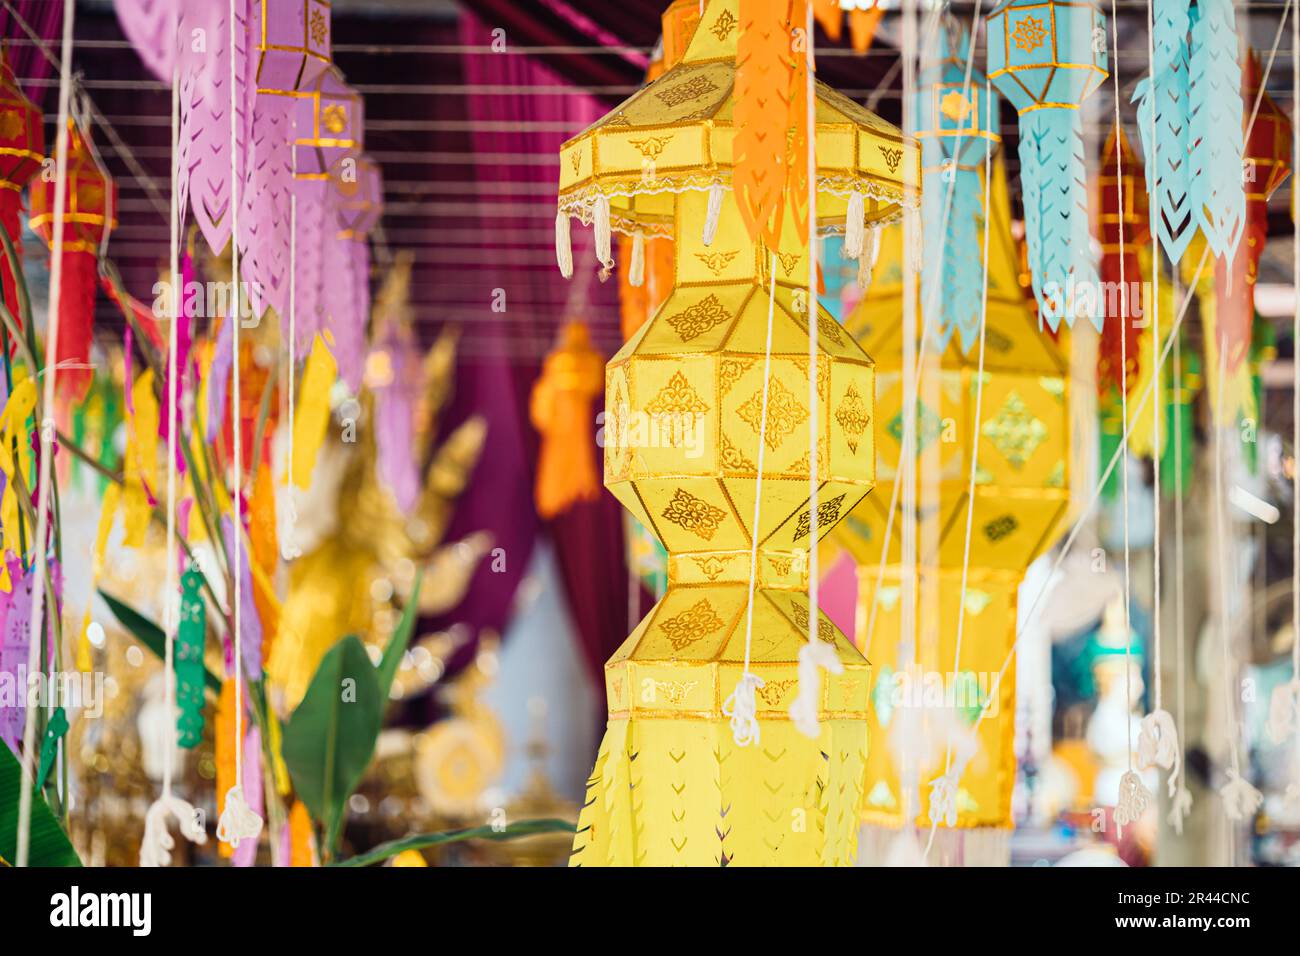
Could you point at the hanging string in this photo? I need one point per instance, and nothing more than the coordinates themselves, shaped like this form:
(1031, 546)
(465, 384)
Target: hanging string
(740, 706)
(943, 794)
(1181, 796)
(40, 572)
(238, 820)
(1293, 705)
(155, 848)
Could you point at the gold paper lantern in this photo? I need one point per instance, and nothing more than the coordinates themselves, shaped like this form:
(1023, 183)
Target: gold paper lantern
(1022, 497)
(683, 415)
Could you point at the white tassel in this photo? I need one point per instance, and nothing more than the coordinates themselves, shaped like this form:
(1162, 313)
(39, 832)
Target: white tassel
(1284, 711)
(854, 225)
(636, 272)
(563, 245)
(604, 235)
(1180, 806)
(1134, 798)
(1157, 746)
(716, 192)
(814, 657)
(870, 255)
(238, 821)
(743, 710)
(156, 847)
(1240, 799)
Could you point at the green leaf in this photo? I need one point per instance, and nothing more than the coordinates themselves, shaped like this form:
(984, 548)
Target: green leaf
(400, 640)
(150, 635)
(329, 739)
(49, 844)
(420, 841)
(57, 727)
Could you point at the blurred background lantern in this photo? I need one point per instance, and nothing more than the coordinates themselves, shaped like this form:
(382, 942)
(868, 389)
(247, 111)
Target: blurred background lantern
(1045, 58)
(22, 148)
(683, 404)
(1021, 499)
(90, 214)
(330, 125)
(357, 199)
(293, 48)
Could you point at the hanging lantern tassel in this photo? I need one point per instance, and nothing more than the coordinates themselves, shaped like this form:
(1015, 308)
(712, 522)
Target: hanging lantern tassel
(238, 821)
(1157, 746)
(636, 271)
(716, 192)
(854, 225)
(743, 709)
(870, 256)
(1134, 798)
(814, 657)
(563, 245)
(604, 237)
(156, 847)
(1284, 711)
(1240, 799)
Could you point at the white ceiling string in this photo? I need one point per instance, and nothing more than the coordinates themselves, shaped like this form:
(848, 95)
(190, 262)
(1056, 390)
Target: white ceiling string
(35, 661)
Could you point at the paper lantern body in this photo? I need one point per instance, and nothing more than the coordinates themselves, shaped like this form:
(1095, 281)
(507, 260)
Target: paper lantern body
(1046, 54)
(330, 124)
(22, 132)
(293, 46)
(359, 199)
(90, 204)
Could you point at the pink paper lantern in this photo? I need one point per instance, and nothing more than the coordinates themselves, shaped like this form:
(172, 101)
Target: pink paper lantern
(293, 44)
(359, 199)
(330, 123)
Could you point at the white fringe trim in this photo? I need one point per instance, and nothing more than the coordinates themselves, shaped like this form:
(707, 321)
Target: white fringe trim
(563, 244)
(855, 225)
(636, 272)
(716, 193)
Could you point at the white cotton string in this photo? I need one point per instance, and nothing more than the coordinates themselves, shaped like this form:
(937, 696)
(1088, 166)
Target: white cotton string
(716, 193)
(156, 846)
(563, 245)
(943, 799)
(855, 225)
(636, 270)
(740, 706)
(40, 571)
(238, 821)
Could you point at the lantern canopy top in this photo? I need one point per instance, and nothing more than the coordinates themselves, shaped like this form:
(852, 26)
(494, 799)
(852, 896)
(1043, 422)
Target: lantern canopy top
(677, 135)
(1046, 55)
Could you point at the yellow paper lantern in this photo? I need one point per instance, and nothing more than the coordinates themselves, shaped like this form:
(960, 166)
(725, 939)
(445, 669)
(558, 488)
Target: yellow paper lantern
(683, 404)
(1022, 498)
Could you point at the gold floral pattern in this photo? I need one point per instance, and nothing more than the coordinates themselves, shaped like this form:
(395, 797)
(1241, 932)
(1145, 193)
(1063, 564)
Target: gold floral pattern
(852, 417)
(892, 157)
(319, 28)
(677, 397)
(1029, 34)
(723, 26)
(773, 692)
(828, 512)
(733, 459)
(1014, 431)
(687, 91)
(710, 565)
(730, 372)
(999, 528)
(695, 320)
(694, 514)
(694, 624)
(715, 262)
(784, 413)
(675, 691)
(652, 146)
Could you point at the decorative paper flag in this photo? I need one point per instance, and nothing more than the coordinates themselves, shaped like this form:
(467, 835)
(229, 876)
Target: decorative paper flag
(246, 852)
(22, 148)
(1165, 135)
(394, 375)
(90, 214)
(313, 412)
(190, 637)
(15, 456)
(356, 203)
(265, 216)
(15, 639)
(250, 622)
(1044, 59)
(952, 121)
(151, 27)
(1214, 127)
(572, 376)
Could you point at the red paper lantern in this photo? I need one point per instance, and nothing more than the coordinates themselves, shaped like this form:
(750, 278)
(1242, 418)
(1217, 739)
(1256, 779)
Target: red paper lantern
(22, 149)
(90, 213)
(1123, 231)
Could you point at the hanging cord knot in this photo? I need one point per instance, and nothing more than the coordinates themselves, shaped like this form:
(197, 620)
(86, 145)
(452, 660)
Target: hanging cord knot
(1284, 711)
(156, 847)
(1240, 799)
(814, 657)
(1157, 746)
(743, 710)
(867, 260)
(563, 244)
(1179, 807)
(1134, 798)
(238, 821)
(716, 192)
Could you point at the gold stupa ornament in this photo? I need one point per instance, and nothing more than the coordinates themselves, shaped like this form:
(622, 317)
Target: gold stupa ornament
(920, 708)
(684, 414)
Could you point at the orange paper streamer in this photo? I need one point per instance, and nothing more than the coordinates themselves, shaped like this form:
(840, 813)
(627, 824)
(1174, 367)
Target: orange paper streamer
(226, 748)
(300, 836)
